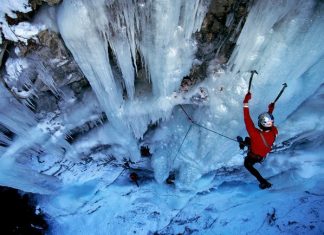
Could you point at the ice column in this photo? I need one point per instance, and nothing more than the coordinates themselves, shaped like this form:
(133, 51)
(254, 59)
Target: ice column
(13, 115)
(108, 38)
(167, 46)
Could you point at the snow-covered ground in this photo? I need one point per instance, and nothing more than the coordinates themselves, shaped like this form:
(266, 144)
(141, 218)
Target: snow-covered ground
(226, 201)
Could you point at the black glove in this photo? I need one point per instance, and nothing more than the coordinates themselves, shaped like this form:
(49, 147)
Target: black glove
(241, 142)
(247, 141)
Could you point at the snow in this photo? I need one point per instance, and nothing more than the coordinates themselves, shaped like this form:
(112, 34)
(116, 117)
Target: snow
(226, 201)
(84, 184)
(14, 69)
(23, 30)
(10, 7)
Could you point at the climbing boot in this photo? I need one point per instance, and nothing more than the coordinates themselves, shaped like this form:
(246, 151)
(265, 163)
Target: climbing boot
(265, 185)
(170, 179)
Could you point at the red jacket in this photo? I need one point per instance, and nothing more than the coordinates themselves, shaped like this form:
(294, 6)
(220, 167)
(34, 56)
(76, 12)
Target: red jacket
(257, 145)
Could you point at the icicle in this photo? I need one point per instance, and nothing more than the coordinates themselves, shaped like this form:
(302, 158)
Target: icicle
(17, 118)
(91, 52)
(160, 32)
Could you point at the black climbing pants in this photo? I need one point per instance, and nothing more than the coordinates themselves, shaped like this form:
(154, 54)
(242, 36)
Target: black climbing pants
(249, 161)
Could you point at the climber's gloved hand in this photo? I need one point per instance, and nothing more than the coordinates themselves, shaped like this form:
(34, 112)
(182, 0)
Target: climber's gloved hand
(241, 142)
(271, 107)
(248, 96)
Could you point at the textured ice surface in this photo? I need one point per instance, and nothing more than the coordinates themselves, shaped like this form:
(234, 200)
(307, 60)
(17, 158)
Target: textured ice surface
(281, 47)
(156, 35)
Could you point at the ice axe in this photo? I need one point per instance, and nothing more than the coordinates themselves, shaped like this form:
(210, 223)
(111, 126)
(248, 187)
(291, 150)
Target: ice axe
(280, 93)
(250, 82)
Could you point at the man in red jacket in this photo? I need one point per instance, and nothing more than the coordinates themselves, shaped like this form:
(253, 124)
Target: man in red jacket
(261, 140)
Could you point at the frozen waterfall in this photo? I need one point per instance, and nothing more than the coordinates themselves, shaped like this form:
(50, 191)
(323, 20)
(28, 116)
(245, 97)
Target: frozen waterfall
(76, 128)
(116, 41)
(283, 41)
(136, 53)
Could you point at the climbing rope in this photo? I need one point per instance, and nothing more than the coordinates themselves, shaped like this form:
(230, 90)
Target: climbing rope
(197, 124)
(184, 139)
(275, 147)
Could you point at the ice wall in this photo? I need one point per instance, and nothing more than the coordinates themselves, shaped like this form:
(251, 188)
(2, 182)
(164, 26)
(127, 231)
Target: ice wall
(283, 46)
(110, 36)
(135, 54)
(282, 40)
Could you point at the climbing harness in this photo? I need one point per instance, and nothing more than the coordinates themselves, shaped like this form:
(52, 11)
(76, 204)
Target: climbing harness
(265, 141)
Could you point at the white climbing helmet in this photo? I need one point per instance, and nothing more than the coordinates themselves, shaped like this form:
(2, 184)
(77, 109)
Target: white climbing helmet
(265, 120)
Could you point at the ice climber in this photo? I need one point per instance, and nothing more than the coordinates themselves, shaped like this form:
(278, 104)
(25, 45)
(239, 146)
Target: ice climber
(260, 141)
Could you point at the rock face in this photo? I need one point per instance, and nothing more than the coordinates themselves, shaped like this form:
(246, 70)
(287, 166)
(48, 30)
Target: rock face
(221, 27)
(219, 32)
(36, 3)
(52, 2)
(49, 68)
